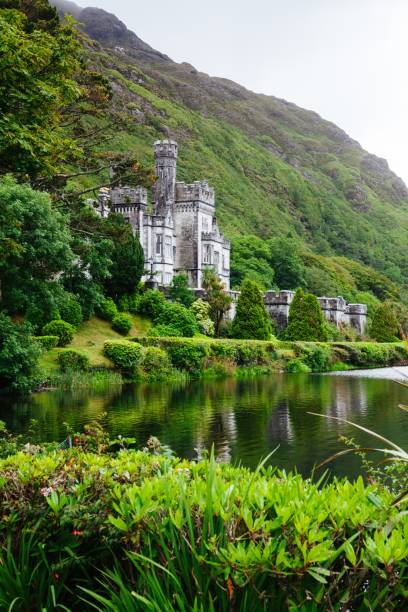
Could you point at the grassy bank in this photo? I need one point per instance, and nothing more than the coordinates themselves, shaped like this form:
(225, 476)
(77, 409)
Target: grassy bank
(141, 531)
(159, 358)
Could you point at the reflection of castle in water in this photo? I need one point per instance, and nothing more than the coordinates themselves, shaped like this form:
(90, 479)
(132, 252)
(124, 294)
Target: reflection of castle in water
(350, 396)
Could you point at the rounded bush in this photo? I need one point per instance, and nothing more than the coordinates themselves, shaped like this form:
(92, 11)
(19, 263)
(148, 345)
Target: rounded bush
(179, 317)
(188, 356)
(65, 331)
(151, 304)
(69, 359)
(125, 355)
(107, 309)
(71, 311)
(47, 342)
(122, 323)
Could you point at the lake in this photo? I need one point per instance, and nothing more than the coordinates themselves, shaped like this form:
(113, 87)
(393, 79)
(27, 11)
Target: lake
(244, 419)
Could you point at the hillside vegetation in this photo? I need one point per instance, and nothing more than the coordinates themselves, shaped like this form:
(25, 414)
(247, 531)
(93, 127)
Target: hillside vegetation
(277, 169)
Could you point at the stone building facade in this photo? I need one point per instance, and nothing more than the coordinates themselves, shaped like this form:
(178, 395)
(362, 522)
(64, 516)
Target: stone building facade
(179, 233)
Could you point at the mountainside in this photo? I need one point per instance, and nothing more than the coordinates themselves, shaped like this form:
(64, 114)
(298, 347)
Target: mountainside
(277, 169)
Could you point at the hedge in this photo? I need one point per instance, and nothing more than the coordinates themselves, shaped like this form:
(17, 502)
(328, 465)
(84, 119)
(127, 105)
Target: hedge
(47, 342)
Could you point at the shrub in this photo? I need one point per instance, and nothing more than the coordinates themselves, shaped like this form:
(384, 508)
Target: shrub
(316, 357)
(384, 326)
(180, 291)
(71, 311)
(156, 363)
(18, 357)
(125, 355)
(122, 323)
(165, 331)
(188, 356)
(107, 309)
(152, 303)
(178, 317)
(65, 331)
(47, 342)
(251, 320)
(297, 366)
(201, 311)
(251, 354)
(69, 359)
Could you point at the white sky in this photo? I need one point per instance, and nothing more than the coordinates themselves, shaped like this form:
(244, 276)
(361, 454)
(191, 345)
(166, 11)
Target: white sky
(345, 59)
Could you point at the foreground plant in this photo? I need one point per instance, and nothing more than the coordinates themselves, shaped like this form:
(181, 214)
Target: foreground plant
(139, 530)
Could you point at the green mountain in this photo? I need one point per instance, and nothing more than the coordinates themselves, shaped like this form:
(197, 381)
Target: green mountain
(278, 169)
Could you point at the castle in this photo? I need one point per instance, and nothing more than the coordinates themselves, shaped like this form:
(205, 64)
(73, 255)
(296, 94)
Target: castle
(180, 233)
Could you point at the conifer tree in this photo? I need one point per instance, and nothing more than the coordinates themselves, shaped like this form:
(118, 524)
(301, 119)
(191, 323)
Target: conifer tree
(251, 320)
(384, 326)
(306, 320)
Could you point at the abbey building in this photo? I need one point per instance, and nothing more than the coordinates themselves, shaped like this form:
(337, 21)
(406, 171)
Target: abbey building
(179, 232)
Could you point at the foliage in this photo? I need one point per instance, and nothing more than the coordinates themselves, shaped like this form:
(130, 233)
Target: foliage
(384, 325)
(152, 303)
(47, 342)
(230, 537)
(297, 366)
(165, 330)
(251, 258)
(316, 357)
(107, 309)
(37, 68)
(306, 320)
(156, 363)
(201, 311)
(188, 356)
(127, 258)
(65, 331)
(251, 320)
(70, 311)
(178, 317)
(70, 359)
(180, 290)
(218, 299)
(19, 355)
(125, 355)
(34, 248)
(122, 323)
(287, 263)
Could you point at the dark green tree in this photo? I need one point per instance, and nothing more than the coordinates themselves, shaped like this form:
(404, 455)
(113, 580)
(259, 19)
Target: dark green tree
(286, 261)
(306, 320)
(127, 257)
(180, 291)
(217, 297)
(251, 320)
(384, 326)
(18, 357)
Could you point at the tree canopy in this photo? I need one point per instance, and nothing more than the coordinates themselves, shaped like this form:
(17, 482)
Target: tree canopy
(251, 320)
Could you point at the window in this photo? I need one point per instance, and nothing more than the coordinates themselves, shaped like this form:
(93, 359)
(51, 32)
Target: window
(216, 259)
(167, 246)
(205, 224)
(159, 244)
(207, 254)
(225, 261)
(168, 279)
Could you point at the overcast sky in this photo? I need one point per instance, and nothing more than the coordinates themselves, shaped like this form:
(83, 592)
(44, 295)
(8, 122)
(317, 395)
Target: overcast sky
(345, 59)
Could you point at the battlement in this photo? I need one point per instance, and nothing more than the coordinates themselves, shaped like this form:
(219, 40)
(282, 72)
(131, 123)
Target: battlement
(356, 309)
(199, 190)
(283, 298)
(215, 236)
(128, 196)
(337, 303)
(165, 148)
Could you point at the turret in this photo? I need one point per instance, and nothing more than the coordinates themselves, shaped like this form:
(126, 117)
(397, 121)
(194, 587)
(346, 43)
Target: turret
(165, 155)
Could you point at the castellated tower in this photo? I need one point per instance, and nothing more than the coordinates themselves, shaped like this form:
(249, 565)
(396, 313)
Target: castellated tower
(165, 155)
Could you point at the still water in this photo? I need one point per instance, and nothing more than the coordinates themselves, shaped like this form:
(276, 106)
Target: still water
(244, 420)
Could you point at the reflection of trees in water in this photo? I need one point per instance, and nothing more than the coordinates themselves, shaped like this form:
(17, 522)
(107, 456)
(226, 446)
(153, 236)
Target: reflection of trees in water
(244, 419)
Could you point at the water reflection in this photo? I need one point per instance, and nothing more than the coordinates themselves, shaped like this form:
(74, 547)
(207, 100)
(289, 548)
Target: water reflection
(244, 420)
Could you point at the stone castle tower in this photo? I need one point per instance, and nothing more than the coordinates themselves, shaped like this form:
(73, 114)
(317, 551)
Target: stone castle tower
(181, 233)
